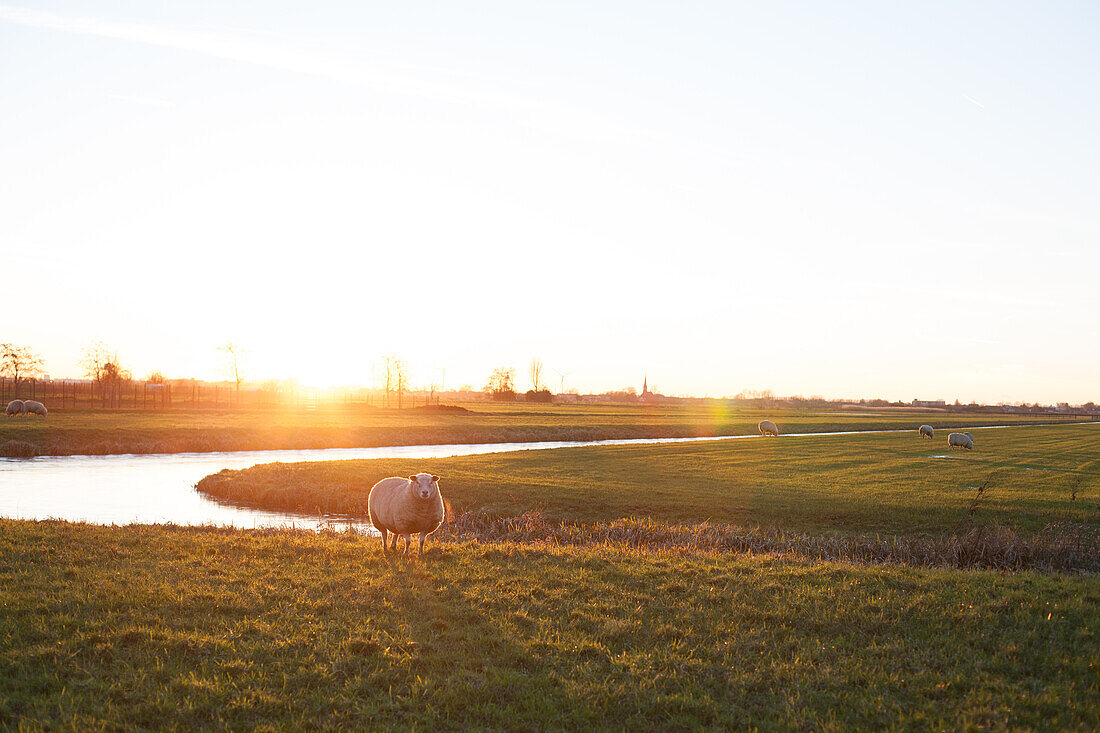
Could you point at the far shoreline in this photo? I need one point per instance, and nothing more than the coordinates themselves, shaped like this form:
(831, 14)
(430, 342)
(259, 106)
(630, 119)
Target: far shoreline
(65, 443)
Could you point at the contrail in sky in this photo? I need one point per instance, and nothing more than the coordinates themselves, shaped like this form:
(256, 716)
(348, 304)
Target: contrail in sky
(285, 57)
(147, 101)
(971, 99)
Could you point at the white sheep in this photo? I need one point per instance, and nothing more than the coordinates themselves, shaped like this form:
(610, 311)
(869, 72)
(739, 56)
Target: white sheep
(961, 440)
(30, 407)
(767, 427)
(405, 507)
(15, 407)
(926, 431)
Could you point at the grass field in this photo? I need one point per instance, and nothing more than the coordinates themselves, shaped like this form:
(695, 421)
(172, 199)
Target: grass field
(850, 484)
(95, 432)
(580, 588)
(112, 628)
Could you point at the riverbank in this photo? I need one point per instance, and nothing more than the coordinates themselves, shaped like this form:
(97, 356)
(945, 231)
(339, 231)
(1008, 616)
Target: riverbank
(1027, 500)
(170, 627)
(853, 484)
(99, 432)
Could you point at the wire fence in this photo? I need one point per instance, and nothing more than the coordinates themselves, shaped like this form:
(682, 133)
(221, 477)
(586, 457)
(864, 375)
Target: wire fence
(195, 394)
(133, 394)
(121, 394)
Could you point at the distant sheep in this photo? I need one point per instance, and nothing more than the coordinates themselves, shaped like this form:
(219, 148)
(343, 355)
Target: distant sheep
(926, 431)
(30, 407)
(406, 507)
(15, 407)
(960, 440)
(767, 427)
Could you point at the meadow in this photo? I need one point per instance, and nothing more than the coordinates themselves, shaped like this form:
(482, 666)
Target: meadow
(858, 484)
(99, 432)
(814, 582)
(119, 628)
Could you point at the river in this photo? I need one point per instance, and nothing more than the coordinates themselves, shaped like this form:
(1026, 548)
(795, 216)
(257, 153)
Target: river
(160, 488)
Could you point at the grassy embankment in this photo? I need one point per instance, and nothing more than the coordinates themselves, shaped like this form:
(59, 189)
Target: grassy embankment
(168, 627)
(852, 485)
(96, 432)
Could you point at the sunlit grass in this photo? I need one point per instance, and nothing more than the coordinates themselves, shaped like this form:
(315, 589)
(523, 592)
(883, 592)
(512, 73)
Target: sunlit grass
(851, 484)
(165, 627)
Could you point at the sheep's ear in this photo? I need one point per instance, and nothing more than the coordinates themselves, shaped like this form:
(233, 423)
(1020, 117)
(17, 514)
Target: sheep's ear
(413, 478)
(435, 478)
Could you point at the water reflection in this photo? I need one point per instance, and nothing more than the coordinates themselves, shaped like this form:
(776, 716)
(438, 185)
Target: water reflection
(159, 488)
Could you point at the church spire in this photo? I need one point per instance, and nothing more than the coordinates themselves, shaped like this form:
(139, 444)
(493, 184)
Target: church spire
(645, 384)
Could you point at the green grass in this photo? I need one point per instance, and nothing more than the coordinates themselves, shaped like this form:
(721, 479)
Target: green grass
(850, 484)
(109, 628)
(69, 432)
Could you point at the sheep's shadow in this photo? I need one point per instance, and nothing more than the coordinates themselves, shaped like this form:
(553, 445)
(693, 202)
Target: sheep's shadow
(497, 672)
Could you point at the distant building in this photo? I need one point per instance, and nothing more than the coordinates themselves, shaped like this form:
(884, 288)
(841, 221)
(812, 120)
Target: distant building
(646, 395)
(929, 403)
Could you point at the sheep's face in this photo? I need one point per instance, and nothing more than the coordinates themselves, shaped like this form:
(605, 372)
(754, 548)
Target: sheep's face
(424, 485)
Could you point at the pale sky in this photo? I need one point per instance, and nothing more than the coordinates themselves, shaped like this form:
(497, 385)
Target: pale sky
(847, 199)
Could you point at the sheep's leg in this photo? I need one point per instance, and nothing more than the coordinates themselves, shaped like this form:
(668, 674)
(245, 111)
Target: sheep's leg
(408, 543)
(384, 533)
(393, 545)
(422, 536)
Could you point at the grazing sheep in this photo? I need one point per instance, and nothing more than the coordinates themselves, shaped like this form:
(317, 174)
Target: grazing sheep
(926, 431)
(406, 507)
(15, 407)
(30, 407)
(961, 440)
(767, 427)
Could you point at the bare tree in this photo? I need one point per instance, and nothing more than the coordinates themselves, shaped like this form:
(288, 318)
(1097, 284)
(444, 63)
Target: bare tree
(19, 362)
(401, 371)
(501, 383)
(437, 388)
(95, 356)
(105, 369)
(233, 356)
(394, 377)
(535, 371)
(155, 377)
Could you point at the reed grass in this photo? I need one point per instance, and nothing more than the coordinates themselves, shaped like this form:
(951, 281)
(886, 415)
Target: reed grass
(1063, 546)
(17, 449)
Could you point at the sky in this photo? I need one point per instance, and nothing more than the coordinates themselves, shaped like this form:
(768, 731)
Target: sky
(849, 199)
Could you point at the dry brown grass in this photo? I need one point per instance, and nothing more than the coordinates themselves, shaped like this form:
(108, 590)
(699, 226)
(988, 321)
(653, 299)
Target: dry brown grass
(17, 449)
(1065, 546)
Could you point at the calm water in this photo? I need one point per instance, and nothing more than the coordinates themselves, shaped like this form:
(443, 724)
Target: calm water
(159, 488)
